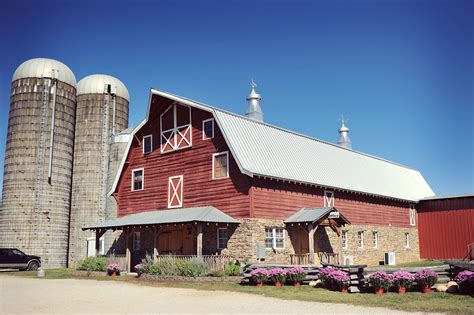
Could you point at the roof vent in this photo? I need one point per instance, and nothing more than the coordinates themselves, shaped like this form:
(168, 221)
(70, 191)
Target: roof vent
(254, 111)
(344, 140)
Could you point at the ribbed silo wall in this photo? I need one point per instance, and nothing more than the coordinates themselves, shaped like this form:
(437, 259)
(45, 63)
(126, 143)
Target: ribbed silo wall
(91, 159)
(35, 212)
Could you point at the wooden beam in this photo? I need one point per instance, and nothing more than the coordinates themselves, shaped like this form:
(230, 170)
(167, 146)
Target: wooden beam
(199, 240)
(128, 253)
(97, 242)
(311, 231)
(339, 234)
(156, 232)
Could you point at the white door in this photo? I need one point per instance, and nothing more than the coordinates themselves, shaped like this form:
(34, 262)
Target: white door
(91, 247)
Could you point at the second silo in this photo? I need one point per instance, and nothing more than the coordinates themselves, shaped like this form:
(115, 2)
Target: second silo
(38, 161)
(102, 112)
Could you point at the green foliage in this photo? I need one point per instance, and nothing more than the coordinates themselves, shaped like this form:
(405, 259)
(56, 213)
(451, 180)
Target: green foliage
(191, 268)
(146, 263)
(232, 268)
(93, 264)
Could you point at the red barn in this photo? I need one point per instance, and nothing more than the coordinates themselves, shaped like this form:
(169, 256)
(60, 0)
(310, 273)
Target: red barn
(198, 180)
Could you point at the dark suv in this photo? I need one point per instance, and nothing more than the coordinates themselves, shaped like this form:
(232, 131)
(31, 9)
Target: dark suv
(15, 258)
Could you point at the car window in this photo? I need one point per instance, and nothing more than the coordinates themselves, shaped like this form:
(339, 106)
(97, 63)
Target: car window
(4, 252)
(16, 252)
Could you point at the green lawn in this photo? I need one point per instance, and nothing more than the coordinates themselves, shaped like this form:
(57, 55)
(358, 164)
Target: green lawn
(412, 301)
(421, 263)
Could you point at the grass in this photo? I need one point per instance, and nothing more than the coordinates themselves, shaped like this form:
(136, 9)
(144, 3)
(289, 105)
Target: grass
(412, 301)
(421, 263)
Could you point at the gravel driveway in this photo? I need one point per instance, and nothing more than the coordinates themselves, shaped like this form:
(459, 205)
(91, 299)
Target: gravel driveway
(66, 296)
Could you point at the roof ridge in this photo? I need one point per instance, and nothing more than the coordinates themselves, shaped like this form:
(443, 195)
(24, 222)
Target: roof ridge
(291, 131)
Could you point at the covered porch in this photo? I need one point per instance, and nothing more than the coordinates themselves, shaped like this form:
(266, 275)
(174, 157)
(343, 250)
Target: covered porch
(305, 223)
(175, 233)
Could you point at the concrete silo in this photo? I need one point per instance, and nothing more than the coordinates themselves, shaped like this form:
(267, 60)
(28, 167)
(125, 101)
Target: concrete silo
(39, 160)
(102, 112)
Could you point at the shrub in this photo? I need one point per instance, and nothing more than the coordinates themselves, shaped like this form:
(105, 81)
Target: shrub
(296, 274)
(232, 268)
(164, 267)
(381, 279)
(260, 274)
(191, 268)
(426, 277)
(146, 264)
(403, 279)
(93, 264)
(139, 269)
(278, 275)
(465, 279)
(340, 279)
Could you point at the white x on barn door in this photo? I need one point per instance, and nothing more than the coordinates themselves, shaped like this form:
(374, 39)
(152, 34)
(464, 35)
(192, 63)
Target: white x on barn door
(175, 192)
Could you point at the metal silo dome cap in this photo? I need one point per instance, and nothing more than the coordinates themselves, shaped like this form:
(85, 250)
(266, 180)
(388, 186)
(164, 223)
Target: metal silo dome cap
(95, 84)
(42, 67)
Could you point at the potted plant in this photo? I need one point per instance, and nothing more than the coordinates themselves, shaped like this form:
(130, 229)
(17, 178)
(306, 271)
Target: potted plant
(465, 280)
(113, 269)
(426, 278)
(325, 275)
(278, 275)
(341, 280)
(381, 281)
(296, 275)
(139, 269)
(259, 276)
(403, 280)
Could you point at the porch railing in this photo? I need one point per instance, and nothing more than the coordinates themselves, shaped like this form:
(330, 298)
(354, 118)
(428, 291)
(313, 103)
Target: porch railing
(118, 259)
(324, 258)
(211, 262)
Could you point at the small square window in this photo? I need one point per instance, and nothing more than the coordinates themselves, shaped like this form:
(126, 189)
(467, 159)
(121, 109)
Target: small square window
(220, 165)
(208, 129)
(274, 238)
(222, 238)
(360, 238)
(407, 240)
(375, 239)
(147, 144)
(137, 179)
(344, 239)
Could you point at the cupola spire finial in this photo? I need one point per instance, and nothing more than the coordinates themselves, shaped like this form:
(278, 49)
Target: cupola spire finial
(344, 140)
(254, 111)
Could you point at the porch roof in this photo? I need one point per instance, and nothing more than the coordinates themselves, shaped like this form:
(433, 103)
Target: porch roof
(315, 214)
(186, 215)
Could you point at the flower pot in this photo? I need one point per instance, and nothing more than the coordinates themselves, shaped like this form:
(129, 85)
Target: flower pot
(297, 284)
(402, 290)
(378, 290)
(114, 274)
(260, 284)
(278, 284)
(426, 289)
(344, 290)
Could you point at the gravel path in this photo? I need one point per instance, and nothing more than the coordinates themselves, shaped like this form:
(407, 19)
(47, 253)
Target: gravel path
(66, 296)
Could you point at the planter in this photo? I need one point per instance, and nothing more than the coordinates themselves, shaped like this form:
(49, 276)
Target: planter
(260, 284)
(426, 289)
(344, 290)
(378, 290)
(278, 284)
(297, 284)
(402, 290)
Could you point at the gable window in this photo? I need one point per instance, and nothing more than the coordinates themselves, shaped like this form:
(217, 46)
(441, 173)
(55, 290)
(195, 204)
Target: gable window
(274, 238)
(360, 239)
(220, 165)
(407, 240)
(412, 215)
(137, 179)
(175, 128)
(375, 239)
(175, 192)
(147, 144)
(208, 129)
(344, 239)
(136, 241)
(222, 238)
(328, 199)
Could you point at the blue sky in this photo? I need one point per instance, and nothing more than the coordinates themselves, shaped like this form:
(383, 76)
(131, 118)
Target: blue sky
(401, 71)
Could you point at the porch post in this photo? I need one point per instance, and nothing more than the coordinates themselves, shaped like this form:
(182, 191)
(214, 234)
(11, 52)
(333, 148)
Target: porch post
(128, 254)
(311, 231)
(199, 240)
(339, 234)
(97, 243)
(155, 240)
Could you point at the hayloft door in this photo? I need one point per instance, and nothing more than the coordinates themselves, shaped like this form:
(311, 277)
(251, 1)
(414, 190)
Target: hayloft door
(175, 192)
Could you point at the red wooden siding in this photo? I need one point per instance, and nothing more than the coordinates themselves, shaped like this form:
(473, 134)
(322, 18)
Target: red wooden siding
(230, 195)
(446, 227)
(272, 199)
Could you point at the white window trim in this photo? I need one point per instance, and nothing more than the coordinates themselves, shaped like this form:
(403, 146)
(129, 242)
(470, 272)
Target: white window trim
(375, 239)
(227, 238)
(143, 143)
(175, 130)
(274, 246)
(228, 166)
(412, 214)
(344, 240)
(101, 244)
(407, 240)
(361, 242)
(181, 192)
(203, 130)
(328, 197)
(143, 178)
(136, 246)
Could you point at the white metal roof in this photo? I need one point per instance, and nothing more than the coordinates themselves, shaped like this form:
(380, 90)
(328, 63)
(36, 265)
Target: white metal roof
(264, 150)
(95, 84)
(42, 67)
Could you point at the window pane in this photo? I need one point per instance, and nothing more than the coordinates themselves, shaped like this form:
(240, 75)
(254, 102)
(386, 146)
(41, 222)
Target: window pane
(147, 145)
(208, 129)
(220, 166)
(138, 180)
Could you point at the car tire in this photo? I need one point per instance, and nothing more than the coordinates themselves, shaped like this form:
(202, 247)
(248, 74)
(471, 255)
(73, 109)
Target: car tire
(33, 266)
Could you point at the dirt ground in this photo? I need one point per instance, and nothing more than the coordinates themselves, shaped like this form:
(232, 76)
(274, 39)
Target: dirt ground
(67, 296)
